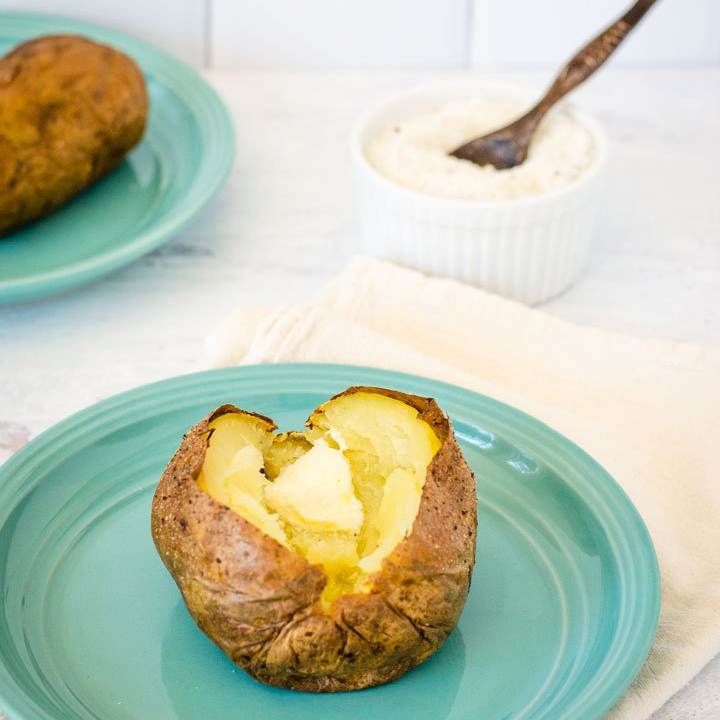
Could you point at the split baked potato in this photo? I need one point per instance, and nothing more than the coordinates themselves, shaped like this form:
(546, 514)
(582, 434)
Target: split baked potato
(333, 559)
(70, 110)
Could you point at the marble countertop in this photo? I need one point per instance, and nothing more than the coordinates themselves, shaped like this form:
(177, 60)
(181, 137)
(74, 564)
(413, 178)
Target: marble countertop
(285, 223)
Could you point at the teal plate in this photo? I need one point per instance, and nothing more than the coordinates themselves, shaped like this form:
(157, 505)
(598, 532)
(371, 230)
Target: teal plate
(561, 615)
(163, 183)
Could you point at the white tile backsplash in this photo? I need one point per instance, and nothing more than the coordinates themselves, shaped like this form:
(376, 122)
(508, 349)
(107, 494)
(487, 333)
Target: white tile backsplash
(310, 34)
(528, 33)
(177, 26)
(422, 34)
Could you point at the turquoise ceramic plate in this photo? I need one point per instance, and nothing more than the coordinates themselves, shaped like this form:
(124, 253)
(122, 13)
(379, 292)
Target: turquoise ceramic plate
(181, 162)
(561, 615)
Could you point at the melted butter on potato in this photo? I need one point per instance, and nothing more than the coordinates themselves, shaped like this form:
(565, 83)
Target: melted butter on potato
(317, 491)
(343, 494)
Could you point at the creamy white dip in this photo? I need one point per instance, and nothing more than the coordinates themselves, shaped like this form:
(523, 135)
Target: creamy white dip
(414, 153)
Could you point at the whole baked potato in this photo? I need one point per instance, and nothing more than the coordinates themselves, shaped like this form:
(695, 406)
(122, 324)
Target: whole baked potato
(334, 559)
(70, 110)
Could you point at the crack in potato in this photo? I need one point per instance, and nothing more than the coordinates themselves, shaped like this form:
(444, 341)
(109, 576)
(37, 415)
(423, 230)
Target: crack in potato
(343, 494)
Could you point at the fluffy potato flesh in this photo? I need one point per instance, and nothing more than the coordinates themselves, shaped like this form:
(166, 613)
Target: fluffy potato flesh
(343, 494)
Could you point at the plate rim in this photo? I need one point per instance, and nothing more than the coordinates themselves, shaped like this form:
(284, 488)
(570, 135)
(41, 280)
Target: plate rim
(207, 107)
(596, 697)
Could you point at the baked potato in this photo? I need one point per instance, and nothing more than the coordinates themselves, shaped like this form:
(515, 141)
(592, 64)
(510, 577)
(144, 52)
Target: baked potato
(333, 559)
(70, 110)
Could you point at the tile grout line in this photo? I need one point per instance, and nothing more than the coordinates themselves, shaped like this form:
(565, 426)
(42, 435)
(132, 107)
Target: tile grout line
(207, 39)
(480, 45)
(470, 34)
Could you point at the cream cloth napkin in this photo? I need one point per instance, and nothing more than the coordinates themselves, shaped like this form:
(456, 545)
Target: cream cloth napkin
(648, 410)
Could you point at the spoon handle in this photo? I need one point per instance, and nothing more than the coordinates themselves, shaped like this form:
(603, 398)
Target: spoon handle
(588, 59)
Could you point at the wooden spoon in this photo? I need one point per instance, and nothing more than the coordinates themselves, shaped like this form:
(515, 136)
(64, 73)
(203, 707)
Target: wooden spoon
(508, 147)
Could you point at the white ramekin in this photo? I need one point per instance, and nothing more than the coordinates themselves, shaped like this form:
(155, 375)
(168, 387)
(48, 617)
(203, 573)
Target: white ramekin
(529, 249)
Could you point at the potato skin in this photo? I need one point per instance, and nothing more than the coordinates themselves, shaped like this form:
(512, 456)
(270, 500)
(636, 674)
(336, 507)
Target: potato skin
(259, 601)
(70, 110)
